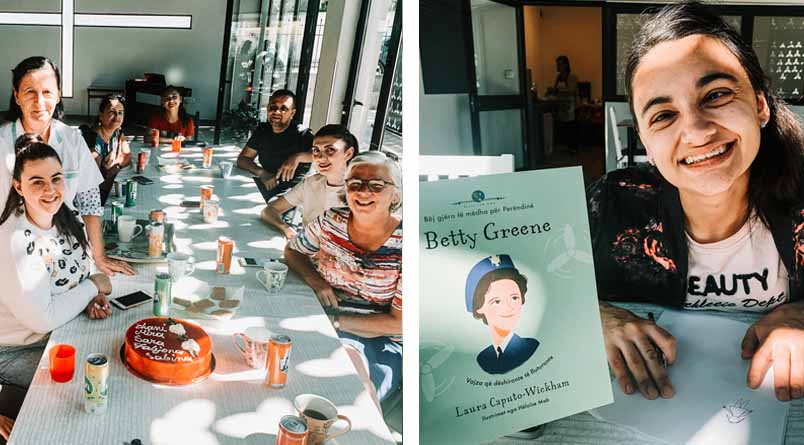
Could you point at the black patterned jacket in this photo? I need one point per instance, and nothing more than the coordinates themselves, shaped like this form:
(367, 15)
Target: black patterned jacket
(640, 245)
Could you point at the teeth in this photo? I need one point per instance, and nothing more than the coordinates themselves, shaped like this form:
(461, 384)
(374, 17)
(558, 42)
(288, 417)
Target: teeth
(693, 159)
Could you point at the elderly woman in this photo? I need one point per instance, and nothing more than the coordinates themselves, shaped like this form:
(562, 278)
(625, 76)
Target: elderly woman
(35, 107)
(715, 220)
(353, 257)
(106, 141)
(48, 277)
(173, 118)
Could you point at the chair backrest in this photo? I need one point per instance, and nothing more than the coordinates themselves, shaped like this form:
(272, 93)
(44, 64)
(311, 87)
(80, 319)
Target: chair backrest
(618, 144)
(433, 168)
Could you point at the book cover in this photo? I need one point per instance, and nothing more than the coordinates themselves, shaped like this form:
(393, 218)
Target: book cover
(510, 333)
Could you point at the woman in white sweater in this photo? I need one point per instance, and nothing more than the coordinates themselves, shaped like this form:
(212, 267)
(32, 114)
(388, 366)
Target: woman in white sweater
(48, 280)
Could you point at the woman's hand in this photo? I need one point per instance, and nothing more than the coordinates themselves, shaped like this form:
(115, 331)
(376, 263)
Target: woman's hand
(99, 307)
(109, 266)
(6, 425)
(778, 339)
(326, 295)
(631, 347)
(102, 282)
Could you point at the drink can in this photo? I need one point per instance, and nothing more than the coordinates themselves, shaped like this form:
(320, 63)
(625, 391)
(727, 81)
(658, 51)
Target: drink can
(224, 259)
(162, 295)
(131, 193)
(117, 211)
(211, 207)
(292, 431)
(157, 215)
(207, 161)
(155, 136)
(142, 158)
(115, 192)
(176, 145)
(96, 384)
(277, 361)
(156, 237)
(206, 193)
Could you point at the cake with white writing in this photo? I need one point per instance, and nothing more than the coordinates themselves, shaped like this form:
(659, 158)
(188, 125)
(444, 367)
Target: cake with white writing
(169, 351)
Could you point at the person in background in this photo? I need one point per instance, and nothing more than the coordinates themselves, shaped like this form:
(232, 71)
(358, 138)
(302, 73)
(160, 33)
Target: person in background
(352, 258)
(282, 148)
(565, 90)
(35, 107)
(48, 277)
(107, 143)
(333, 147)
(173, 118)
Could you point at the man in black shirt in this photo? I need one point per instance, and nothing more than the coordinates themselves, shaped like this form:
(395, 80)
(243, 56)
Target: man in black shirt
(283, 149)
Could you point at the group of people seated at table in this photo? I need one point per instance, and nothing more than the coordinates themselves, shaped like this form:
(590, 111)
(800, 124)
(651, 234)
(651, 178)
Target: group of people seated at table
(348, 247)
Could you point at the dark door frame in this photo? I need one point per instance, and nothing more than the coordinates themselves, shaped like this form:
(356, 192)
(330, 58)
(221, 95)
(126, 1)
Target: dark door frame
(394, 46)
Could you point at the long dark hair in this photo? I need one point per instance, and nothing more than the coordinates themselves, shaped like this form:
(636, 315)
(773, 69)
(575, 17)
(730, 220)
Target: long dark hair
(34, 63)
(775, 177)
(31, 147)
(184, 117)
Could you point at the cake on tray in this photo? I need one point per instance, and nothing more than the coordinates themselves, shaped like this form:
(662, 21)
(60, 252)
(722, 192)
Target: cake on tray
(168, 351)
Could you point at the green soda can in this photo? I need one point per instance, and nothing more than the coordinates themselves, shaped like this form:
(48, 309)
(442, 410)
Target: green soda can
(162, 295)
(131, 193)
(117, 211)
(96, 384)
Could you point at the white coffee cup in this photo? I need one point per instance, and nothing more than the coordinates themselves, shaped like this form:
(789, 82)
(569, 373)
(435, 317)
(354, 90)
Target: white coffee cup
(179, 265)
(253, 344)
(127, 228)
(226, 168)
(272, 276)
(321, 415)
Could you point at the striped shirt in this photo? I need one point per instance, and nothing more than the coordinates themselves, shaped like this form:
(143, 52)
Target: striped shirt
(370, 277)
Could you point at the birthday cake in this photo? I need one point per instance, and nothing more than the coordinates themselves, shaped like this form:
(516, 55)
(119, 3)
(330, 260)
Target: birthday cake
(169, 351)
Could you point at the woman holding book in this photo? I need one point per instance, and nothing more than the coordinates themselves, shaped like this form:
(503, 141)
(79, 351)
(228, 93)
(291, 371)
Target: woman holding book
(715, 221)
(352, 257)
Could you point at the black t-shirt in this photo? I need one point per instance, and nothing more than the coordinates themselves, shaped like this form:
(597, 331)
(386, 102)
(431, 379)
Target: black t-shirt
(273, 149)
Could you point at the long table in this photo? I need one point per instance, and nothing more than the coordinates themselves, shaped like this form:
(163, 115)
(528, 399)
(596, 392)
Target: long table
(232, 406)
(583, 428)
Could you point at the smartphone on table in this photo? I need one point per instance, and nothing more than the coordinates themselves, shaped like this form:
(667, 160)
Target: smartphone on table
(131, 300)
(248, 262)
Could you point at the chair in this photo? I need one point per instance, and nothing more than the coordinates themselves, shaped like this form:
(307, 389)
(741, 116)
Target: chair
(621, 153)
(433, 168)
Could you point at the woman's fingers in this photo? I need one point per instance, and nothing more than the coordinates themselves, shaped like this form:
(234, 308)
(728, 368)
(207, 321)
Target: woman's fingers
(658, 373)
(763, 357)
(781, 371)
(796, 374)
(664, 341)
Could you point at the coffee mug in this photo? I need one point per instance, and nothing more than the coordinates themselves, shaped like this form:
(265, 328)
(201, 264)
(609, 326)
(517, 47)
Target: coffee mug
(320, 415)
(253, 344)
(127, 228)
(179, 265)
(272, 276)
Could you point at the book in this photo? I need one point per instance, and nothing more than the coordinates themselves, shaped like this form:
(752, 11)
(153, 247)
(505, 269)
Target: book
(510, 333)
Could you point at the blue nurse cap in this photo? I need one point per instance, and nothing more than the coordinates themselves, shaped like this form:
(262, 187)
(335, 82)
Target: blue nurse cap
(486, 265)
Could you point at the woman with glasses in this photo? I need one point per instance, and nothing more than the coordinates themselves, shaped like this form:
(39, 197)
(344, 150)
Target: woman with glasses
(106, 141)
(173, 118)
(352, 258)
(333, 147)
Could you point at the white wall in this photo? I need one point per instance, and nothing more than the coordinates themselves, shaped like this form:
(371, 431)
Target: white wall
(109, 56)
(444, 123)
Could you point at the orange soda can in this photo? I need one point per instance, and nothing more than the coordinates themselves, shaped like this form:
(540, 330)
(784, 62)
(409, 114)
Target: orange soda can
(207, 161)
(206, 193)
(277, 361)
(292, 431)
(223, 263)
(176, 147)
(155, 136)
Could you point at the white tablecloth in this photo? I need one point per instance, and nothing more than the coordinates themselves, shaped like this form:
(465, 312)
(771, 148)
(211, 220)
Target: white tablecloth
(232, 406)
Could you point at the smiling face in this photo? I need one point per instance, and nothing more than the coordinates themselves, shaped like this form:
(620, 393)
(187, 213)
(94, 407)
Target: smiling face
(37, 95)
(502, 305)
(330, 156)
(367, 199)
(41, 186)
(697, 114)
(112, 117)
(171, 99)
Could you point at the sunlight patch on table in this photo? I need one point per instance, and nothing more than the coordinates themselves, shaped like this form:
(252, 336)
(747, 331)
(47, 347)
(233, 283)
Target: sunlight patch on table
(337, 365)
(264, 420)
(187, 422)
(310, 323)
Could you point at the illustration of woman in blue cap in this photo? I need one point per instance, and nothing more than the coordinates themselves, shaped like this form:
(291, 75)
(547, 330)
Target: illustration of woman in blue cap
(495, 294)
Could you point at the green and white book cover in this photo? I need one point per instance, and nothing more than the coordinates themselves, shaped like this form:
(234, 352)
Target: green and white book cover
(510, 333)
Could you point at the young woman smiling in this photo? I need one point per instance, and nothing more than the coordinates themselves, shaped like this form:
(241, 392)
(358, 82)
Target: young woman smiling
(715, 221)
